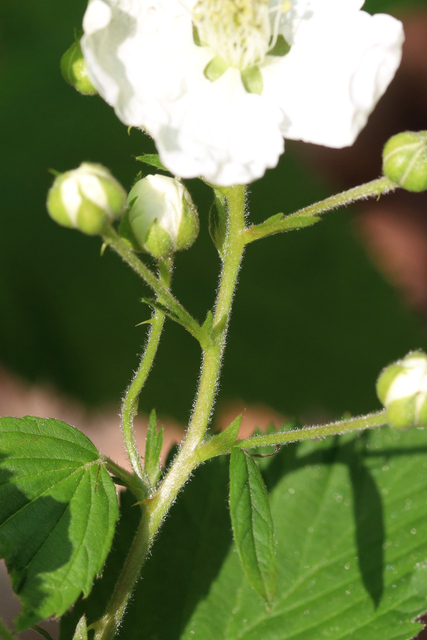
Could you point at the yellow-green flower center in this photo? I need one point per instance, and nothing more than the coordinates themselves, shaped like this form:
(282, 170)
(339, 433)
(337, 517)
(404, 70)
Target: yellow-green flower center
(238, 31)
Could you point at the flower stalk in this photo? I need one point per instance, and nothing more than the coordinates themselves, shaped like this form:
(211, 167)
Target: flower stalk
(374, 188)
(369, 421)
(130, 401)
(165, 297)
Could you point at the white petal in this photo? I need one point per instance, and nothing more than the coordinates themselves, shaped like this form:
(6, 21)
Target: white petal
(303, 11)
(339, 67)
(142, 59)
(222, 132)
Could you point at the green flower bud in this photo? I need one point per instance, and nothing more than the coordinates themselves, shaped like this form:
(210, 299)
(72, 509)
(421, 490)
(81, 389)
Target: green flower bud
(162, 216)
(74, 70)
(405, 160)
(402, 389)
(87, 198)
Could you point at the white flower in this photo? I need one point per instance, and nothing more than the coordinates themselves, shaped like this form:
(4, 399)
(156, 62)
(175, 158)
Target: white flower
(220, 83)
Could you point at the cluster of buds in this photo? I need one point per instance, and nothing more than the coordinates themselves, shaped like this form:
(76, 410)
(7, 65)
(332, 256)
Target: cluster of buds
(402, 389)
(160, 217)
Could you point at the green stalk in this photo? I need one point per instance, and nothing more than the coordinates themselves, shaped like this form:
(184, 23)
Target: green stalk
(165, 297)
(130, 401)
(156, 508)
(374, 188)
(369, 421)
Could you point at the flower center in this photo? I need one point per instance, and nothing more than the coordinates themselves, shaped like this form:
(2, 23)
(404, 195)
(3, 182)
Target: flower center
(238, 31)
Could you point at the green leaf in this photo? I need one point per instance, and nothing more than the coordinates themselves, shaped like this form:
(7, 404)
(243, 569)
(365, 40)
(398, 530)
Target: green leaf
(252, 524)
(222, 442)
(153, 448)
(350, 521)
(81, 630)
(299, 222)
(58, 510)
(153, 160)
(229, 435)
(218, 221)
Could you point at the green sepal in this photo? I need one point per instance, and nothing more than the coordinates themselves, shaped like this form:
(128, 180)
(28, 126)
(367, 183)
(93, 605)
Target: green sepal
(401, 414)
(252, 80)
(281, 48)
(218, 221)
(196, 37)
(74, 70)
(252, 523)
(153, 160)
(153, 448)
(386, 378)
(157, 242)
(189, 226)
(127, 234)
(215, 69)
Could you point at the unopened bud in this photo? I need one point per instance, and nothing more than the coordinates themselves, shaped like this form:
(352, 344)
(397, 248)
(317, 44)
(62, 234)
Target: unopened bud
(162, 215)
(405, 160)
(402, 389)
(74, 70)
(87, 198)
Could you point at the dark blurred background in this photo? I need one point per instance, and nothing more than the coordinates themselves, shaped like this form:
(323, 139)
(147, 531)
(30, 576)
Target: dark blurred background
(318, 312)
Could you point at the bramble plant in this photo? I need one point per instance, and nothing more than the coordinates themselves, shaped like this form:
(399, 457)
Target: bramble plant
(330, 535)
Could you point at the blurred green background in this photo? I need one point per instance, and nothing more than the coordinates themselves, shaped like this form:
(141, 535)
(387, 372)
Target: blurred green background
(313, 321)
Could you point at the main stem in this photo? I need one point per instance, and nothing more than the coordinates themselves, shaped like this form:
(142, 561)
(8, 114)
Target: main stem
(155, 508)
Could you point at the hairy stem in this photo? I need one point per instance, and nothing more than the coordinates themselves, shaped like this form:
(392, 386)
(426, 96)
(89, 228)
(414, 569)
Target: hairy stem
(156, 507)
(177, 311)
(130, 401)
(369, 421)
(374, 188)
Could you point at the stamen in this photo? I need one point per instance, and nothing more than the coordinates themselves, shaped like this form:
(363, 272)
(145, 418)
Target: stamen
(238, 31)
